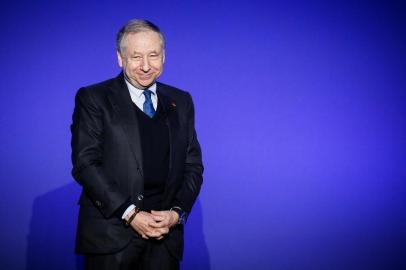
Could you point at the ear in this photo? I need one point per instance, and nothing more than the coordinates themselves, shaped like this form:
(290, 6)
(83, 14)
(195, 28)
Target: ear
(119, 59)
(163, 56)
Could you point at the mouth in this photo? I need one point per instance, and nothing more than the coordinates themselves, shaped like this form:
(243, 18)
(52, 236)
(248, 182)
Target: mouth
(145, 77)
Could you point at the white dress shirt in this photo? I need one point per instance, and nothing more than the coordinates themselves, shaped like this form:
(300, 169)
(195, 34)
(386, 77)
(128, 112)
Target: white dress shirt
(138, 97)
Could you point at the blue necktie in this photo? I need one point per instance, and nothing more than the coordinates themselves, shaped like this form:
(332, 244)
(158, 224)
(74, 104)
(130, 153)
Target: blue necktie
(148, 106)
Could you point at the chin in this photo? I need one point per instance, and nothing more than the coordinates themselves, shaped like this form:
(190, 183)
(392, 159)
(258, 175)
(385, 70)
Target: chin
(146, 83)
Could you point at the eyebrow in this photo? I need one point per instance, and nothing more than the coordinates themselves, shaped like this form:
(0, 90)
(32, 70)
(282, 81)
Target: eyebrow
(154, 51)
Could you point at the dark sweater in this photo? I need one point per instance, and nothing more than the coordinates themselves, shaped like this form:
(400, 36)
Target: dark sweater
(155, 152)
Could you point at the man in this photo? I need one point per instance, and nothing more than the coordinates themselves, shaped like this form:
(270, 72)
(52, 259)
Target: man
(136, 155)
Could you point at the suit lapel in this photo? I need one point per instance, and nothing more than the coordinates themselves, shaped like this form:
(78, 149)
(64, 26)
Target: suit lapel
(169, 107)
(121, 101)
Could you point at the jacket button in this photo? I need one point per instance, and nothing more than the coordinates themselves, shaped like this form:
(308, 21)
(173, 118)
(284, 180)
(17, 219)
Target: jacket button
(98, 203)
(140, 197)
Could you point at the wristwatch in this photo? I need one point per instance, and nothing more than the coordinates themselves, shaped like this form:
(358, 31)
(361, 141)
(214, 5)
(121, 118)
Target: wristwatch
(182, 214)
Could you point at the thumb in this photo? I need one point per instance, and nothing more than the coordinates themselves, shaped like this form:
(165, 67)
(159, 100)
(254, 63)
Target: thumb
(156, 213)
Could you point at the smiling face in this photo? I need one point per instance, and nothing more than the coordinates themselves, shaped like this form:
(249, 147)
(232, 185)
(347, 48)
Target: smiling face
(142, 57)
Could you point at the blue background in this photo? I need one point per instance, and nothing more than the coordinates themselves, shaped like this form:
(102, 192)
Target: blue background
(300, 111)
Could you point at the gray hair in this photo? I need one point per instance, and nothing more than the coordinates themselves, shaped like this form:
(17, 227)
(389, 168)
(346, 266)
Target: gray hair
(136, 26)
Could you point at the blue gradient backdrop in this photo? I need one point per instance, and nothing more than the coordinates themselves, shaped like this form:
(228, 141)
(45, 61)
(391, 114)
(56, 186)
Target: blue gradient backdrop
(300, 110)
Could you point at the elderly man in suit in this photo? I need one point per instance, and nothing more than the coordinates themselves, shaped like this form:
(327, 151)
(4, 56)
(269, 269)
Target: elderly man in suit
(136, 155)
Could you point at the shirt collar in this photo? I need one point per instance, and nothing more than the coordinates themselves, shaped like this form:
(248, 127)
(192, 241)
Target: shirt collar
(138, 92)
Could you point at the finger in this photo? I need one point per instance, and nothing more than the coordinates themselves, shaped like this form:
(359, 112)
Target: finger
(158, 232)
(165, 230)
(158, 218)
(154, 234)
(159, 225)
(158, 213)
(162, 231)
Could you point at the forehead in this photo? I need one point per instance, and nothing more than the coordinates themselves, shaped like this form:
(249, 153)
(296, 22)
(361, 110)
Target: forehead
(143, 41)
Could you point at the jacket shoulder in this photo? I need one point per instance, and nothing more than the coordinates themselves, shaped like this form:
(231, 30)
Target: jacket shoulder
(100, 87)
(99, 91)
(173, 92)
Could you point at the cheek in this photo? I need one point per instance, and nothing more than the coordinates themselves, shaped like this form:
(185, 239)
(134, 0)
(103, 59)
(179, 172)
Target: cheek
(133, 66)
(157, 66)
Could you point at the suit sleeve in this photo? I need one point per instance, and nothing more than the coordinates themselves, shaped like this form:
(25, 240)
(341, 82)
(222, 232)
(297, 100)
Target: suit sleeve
(193, 168)
(87, 151)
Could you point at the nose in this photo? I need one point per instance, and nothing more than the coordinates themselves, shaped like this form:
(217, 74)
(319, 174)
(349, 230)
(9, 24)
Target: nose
(145, 65)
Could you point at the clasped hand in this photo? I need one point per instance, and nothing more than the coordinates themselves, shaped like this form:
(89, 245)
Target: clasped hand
(155, 224)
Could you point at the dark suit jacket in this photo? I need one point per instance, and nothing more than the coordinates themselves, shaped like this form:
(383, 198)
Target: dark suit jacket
(107, 162)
